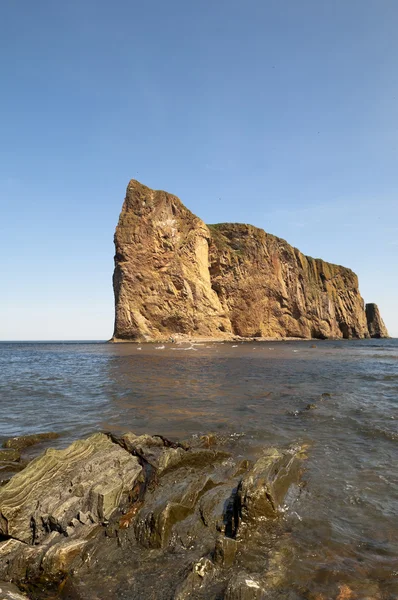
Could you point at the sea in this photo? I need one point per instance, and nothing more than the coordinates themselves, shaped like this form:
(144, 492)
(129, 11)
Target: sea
(338, 398)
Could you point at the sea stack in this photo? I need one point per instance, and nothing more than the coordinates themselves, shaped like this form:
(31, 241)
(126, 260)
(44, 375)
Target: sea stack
(376, 326)
(176, 275)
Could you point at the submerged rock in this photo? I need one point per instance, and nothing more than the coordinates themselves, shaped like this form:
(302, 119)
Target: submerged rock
(24, 441)
(142, 517)
(10, 463)
(9, 454)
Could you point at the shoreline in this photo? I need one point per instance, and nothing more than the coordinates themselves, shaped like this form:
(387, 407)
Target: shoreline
(182, 339)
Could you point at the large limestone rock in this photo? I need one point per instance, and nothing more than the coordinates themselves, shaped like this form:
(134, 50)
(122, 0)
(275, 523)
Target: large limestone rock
(269, 288)
(162, 280)
(376, 326)
(175, 275)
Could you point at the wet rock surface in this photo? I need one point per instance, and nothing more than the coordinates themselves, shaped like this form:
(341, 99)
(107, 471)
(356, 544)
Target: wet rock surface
(88, 478)
(142, 517)
(9, 454)
(9, 591)
(24, 441)
(16, 452)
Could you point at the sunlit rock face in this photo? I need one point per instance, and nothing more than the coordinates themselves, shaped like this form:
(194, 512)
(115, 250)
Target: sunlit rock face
(162, 278)
(174, 275)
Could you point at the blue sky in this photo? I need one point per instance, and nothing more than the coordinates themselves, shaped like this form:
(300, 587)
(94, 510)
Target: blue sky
(282, 114)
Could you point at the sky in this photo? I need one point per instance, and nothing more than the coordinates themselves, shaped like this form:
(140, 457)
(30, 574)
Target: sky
(282, 114)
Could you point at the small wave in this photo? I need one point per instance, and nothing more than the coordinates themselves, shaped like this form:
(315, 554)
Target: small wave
(185, 349)
(379, 377)
(380, 432)
(383, 355)
(381, 345)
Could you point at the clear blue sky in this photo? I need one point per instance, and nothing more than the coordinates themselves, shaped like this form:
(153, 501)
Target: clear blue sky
(279, 113)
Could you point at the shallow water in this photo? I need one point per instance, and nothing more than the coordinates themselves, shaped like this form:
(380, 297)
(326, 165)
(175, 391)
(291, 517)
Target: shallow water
(344, 527)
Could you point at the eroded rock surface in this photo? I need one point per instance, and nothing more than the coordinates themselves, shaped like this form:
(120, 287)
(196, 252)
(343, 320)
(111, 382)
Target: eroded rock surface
(376, 326)
(162, 280)
(175, 275)
(89, 477)
(9, 591)
(141, 517)
(263, 489)
(16, 452)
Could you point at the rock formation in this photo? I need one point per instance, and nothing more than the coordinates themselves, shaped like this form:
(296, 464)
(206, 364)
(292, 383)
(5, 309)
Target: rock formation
(28, 512)
(376, 326)
(175, 275)
(143, 517)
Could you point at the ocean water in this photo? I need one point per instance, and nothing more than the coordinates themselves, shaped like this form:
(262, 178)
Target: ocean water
(344, 527)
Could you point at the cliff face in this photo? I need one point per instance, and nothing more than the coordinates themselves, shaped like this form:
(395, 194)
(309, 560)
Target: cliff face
(173, 274)
(376, 326)
(161, 279)
(269, 288)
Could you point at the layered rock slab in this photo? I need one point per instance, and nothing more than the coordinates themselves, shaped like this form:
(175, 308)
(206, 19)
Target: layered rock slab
(61, 488)
(175, 275)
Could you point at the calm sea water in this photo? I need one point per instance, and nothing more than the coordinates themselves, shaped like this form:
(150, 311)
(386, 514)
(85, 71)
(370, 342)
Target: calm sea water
(345, 525)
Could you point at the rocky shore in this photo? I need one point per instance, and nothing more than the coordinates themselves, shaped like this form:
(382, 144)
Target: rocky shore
(143, 517)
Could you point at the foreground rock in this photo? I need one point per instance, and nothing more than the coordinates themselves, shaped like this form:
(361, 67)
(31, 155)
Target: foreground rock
(9, 591)
(52, 493)
(174, 275)
(12, 456)
(142, 517)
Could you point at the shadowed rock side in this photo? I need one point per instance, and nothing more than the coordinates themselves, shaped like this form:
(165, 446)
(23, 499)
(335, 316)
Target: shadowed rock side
(175, 275)
(376, 326)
